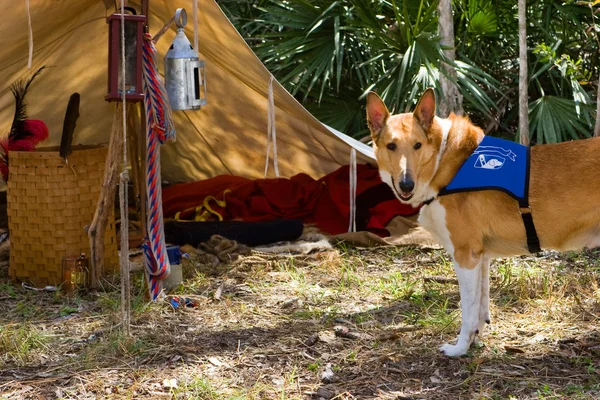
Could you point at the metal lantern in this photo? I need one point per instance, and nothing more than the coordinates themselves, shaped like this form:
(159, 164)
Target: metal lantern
(185, 80)
(134, 36)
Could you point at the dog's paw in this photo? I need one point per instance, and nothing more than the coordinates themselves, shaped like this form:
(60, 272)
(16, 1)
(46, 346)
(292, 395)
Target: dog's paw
(451, 350)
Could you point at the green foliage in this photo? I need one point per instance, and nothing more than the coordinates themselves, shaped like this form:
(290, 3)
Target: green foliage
(563, 43)
(8, 290)
(19, 343)
(67, 310)
(481, 18)
(555, 119)
(197, 387)
(329, 54)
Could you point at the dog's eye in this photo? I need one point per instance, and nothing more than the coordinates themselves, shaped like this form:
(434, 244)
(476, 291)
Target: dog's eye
(417, 146)
(391, 146)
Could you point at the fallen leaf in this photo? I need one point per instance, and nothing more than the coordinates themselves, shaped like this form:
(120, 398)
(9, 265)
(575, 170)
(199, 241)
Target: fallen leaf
(215, 361)
(327, 375)
(327, 336)
(170, 383)
(511, 349)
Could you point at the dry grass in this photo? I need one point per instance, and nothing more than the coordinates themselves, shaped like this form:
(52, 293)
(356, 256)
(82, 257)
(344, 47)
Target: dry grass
(268, 327)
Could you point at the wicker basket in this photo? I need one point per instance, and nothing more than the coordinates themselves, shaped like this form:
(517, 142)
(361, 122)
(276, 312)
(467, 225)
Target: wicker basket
(49, 204)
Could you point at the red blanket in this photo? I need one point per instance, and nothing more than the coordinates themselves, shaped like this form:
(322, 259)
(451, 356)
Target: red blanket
(324, 202)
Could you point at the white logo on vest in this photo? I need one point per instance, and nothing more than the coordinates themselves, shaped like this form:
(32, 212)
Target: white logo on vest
(492, 157)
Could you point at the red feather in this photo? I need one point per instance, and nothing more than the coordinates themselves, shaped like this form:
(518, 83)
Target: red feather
(25, 134)
(36, 132)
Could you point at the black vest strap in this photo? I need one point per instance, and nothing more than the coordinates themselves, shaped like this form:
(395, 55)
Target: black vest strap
(533, 242)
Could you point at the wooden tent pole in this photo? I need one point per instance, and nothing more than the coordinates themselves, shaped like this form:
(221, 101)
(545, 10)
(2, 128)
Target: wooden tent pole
(137, 138)
(137, 155)
(141, 143)
(105, 206)
(146, 11)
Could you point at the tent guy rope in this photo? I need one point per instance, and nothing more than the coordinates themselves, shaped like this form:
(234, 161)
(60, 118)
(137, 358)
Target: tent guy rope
(271, 134)
(352, 185)
(30, 59)
(195, 16)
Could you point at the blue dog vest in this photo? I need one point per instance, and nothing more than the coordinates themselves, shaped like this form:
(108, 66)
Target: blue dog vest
(495, 164)
(498, 164)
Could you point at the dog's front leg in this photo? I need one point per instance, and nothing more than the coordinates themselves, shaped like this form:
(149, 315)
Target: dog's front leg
(470, 284)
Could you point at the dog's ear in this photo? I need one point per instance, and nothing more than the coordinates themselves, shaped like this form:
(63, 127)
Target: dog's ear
(377, 114)
(425, 110)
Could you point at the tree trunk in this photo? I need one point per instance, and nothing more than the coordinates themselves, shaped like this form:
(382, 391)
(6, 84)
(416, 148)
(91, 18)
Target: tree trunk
(451, 100)
(597, 127)
(523, 97)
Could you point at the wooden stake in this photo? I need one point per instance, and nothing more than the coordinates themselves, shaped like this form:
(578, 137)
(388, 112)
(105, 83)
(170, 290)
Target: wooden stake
(137, 138)
(138, 162)
(106, 201)
(142, 181)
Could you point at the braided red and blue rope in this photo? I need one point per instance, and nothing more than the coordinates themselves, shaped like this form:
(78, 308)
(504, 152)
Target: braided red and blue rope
(160, 128)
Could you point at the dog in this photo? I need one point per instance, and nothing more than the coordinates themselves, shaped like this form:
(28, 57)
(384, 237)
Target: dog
(419, 154)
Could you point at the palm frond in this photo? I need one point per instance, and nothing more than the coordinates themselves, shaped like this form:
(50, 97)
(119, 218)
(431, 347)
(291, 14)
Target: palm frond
(554, 119)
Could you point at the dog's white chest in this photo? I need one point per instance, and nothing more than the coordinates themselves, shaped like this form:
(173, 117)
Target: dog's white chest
(433, 218)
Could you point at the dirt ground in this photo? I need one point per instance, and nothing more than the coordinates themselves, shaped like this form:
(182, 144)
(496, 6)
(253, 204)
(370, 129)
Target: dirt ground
(348, 323)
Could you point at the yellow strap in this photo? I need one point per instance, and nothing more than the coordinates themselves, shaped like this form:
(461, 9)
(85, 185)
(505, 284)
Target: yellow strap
(220, 203)
(204, 211)
(199, 213)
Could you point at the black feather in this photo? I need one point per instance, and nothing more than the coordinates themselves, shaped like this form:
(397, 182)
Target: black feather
(69, 124)
(19, 90)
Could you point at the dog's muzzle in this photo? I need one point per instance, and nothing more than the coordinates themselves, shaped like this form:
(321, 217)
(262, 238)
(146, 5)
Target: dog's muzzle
(407, 186)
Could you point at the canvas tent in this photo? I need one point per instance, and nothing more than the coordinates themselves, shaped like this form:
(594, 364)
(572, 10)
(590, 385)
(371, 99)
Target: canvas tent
(227, 136)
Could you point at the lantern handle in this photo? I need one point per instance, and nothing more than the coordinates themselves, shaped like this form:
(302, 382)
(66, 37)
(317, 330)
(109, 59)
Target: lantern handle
(180, 17)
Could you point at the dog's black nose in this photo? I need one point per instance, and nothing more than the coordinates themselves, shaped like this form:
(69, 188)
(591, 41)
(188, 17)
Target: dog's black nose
(407, 185)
